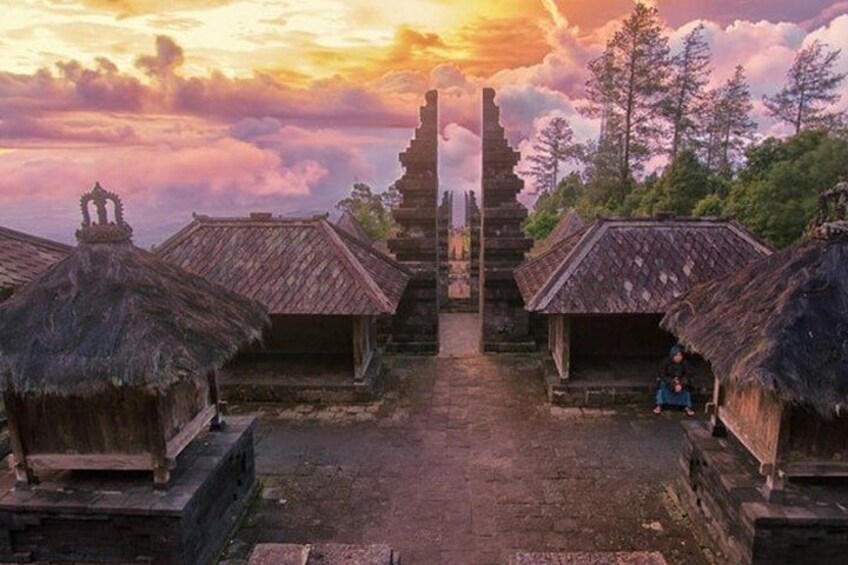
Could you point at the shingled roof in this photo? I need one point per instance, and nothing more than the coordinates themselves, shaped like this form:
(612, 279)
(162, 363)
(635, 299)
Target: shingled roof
(24, 257)
(350, 225)
(634, 266)
(293, 266)
(569, 224)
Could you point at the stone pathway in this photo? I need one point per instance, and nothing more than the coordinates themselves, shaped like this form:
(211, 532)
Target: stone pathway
(468, 467)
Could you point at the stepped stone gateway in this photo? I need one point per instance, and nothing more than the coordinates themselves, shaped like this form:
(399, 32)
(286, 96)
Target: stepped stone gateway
(415, 246)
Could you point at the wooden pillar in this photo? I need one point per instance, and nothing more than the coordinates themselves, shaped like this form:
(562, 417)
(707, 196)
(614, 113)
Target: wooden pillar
(774, 472)
(217, 422)
(559, 342)
(363, 345)
(159, 449)
(717, 429)
(24, 476)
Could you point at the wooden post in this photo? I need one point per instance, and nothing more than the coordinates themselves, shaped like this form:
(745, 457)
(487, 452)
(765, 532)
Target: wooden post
(559, 342)
(775, 476)
(358, 370)
(717, 429)
(24, 476)
(217, 422)
(159, 449)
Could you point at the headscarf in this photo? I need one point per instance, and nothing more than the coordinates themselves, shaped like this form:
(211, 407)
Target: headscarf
(675, 349)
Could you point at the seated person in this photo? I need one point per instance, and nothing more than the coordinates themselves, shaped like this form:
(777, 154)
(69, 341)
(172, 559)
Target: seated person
(674, 382)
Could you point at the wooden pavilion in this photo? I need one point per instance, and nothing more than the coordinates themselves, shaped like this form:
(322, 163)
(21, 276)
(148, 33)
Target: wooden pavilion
(776, 335)
(323, 287)
(109, 359)
(24, 257)
(604, 288)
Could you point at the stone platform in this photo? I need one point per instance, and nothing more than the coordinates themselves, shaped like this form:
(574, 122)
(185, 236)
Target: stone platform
(590, 558)
(724, 491)
(634, 384)
(287, 383)
(118, 517)
(323, 554)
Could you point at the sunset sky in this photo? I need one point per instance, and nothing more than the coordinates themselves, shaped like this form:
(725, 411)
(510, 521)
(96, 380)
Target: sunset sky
(229, 106)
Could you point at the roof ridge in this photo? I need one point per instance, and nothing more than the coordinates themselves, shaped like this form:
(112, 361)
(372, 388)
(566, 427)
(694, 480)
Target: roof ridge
(371, 286)
(35, 239)
(178, 237)
(559, 275)
(370, 249)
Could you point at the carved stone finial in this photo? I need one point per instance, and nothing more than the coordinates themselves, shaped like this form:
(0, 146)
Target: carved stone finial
(103, 230)
(831, 218)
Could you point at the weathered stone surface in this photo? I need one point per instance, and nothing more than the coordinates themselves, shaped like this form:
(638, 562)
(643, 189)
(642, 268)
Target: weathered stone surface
(118, 517)
(323, 554)
(506, 325)
(415, 327)
(723, 488)
(587, 558)
(470, 467)
(472, 221)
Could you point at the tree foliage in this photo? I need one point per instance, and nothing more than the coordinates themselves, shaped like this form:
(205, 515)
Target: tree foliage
(627, 90)
(776, 193)
(811, 88)
(371, 210)
(553, 146)
(687, 97)
(729, 128)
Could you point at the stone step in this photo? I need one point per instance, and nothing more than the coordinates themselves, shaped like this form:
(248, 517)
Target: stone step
(323, 554)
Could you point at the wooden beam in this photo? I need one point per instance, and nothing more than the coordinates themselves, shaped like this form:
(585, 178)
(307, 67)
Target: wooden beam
(18, 459)
(190, 431)
(159, 450)
(92, 461)
(818, 468)
(215, 398)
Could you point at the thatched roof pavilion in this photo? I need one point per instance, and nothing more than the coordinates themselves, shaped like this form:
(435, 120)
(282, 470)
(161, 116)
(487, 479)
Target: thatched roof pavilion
(112, 321)
(776, 335)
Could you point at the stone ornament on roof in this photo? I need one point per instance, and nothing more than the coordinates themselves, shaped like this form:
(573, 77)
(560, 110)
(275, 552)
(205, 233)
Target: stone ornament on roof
(831, 219)
(103, 230)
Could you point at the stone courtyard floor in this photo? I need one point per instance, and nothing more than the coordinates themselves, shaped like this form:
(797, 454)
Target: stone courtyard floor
(464, 462)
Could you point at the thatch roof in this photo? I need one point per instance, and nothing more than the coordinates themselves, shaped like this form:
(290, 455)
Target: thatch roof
(292, 265)
(114, 314)
(780, 323)
(634, 265)
(23, 257)
(569, 224)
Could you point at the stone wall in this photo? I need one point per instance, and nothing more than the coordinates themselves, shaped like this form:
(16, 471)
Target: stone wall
(415, 327)
(506, 325)
(724, 492)
(472, 221)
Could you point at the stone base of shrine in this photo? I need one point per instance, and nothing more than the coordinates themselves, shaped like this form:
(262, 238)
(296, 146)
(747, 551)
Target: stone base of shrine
(119, 517)
(724, 493)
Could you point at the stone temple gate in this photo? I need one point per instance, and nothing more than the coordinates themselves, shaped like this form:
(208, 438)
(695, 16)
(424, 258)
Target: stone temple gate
(497, 240)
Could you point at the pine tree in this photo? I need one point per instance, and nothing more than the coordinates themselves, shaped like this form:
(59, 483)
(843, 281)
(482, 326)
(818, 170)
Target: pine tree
(729, 128)
(688, 93)
(627, 89)
(554, 145)
(811, 87)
